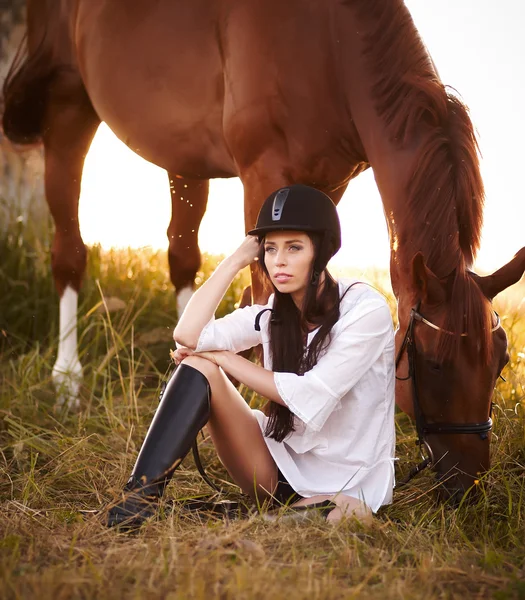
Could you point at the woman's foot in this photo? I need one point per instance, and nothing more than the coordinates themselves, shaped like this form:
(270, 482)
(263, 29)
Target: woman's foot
(331, 508)
(316, 510)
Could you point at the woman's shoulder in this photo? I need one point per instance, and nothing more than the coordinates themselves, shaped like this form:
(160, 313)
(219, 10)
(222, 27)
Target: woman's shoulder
(259, 312)
(357, 294)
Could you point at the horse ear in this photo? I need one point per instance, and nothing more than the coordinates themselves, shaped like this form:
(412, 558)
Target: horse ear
(426, 282)
(511, 273)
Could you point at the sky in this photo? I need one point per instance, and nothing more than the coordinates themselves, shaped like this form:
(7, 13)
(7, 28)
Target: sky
(478, 47)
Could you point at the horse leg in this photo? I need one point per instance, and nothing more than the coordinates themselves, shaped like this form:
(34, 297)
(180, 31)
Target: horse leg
(67, 134)
(188, 205)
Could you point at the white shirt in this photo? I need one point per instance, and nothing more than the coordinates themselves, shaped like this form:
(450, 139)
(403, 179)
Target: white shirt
(344, 438)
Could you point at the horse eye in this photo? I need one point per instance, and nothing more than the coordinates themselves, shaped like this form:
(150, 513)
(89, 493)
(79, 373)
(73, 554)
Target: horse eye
(433, 365)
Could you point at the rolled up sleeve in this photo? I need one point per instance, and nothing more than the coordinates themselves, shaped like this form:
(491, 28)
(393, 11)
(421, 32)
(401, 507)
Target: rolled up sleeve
(360, 340)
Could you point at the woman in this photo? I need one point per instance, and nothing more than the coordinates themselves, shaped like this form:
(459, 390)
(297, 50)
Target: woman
(326, 437)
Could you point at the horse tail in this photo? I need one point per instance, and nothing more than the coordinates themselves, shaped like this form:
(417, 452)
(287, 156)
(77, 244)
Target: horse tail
(25, 93)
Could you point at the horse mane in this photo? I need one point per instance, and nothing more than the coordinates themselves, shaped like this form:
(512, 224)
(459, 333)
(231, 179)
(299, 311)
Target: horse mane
(445, 192)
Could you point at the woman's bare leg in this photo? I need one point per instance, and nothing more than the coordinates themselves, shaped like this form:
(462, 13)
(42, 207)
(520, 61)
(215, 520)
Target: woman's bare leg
(236, 434)
(240, 445)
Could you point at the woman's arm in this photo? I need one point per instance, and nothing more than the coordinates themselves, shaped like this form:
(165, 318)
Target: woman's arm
(257, 378)
(204, 302)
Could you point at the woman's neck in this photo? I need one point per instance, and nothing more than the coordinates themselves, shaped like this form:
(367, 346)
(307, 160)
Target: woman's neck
(298, 297)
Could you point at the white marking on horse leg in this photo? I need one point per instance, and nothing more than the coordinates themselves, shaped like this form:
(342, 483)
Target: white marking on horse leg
(67, 371)
(183, 297)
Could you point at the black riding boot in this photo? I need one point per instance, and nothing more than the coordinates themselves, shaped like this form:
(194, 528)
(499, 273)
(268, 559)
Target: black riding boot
(183, 411)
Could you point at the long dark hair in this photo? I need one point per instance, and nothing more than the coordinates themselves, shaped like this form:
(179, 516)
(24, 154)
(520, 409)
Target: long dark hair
(289, 329)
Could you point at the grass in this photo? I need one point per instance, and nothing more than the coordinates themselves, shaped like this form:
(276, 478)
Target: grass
(57, 468)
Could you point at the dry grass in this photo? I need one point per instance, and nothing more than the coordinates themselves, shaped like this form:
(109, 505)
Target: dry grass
(58, 470)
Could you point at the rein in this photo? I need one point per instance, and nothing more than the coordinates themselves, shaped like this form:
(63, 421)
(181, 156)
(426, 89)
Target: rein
(423, 428)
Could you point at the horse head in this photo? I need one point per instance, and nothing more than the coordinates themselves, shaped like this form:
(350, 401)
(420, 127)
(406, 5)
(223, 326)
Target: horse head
(451, 349)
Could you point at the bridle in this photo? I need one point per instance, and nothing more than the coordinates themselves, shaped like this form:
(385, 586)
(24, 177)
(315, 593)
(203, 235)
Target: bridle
(423, 427)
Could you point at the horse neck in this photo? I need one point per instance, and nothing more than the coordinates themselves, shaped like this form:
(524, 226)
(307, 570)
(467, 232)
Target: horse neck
(417, 137)
(410, 236)
(382, 68)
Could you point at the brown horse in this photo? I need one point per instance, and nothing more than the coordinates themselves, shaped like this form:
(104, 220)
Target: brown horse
(280, 92)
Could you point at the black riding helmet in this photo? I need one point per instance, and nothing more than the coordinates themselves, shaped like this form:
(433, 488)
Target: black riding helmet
(302, 208)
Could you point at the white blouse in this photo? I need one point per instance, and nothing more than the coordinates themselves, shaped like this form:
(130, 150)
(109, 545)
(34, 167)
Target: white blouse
(344, 438)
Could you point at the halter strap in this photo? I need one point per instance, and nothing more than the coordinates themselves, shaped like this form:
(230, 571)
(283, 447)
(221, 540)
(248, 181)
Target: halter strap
(421, 318)
(422, 427)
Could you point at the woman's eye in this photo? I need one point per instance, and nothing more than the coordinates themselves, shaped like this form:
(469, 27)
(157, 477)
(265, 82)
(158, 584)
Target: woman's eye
(295, 248)
(269, 249)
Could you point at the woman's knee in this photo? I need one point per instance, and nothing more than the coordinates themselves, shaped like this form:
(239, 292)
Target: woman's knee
(206, 367)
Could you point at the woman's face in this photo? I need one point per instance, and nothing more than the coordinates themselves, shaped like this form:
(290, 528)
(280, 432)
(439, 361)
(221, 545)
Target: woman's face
(288, 257)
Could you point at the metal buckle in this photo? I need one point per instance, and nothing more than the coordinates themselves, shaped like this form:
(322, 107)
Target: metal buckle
(430, 456)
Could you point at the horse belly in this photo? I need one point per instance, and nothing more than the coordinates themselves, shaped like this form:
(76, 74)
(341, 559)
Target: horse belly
(163, 100)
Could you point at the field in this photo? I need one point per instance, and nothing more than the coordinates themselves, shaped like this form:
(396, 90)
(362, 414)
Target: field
(59, 468)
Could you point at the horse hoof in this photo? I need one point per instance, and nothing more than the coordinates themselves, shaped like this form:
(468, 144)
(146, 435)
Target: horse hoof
(67, 383)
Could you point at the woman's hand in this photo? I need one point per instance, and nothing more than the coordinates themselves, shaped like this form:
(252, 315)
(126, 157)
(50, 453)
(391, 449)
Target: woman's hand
(246, 252)
(179, 354)
(214, 357)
